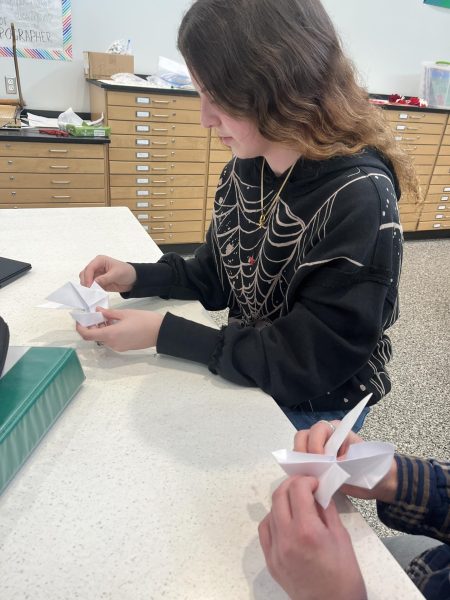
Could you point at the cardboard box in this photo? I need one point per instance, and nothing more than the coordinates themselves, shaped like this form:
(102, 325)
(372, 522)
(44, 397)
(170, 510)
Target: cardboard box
(101, 65)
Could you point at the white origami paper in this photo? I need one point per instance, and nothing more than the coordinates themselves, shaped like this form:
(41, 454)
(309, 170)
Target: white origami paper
(86, 300)
(364, 465)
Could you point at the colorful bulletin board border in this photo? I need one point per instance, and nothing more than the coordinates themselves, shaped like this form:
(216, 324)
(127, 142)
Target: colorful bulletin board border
(444, 3)
(28, 34)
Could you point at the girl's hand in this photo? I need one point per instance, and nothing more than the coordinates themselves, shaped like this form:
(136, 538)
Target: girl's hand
(111, 274)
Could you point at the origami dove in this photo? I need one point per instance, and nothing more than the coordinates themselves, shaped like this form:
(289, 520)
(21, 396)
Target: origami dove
(364, 465)
(86, 300)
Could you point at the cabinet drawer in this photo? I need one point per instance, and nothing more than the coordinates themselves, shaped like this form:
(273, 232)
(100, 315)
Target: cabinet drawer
(421, 149)
(435, 208)
(128, 154)
(422, 159)
(141, 100)
(52, 205)
(444, 158)
(409, 218)
(164, 129)
(432, 225)
(161, 204)
(441, 170)
(157, 180)
(58, 180)
(424, 169)
(437, 198)
(164, 168)
(446, 140)
(439, 189)
(42, 150)
(174, 226)
(190, 237)
(51, 165)
(216, 169)
(220, 156)
(441, 180)
(47, 196)
(418, 138)
(409, 226)
(216, 144)
(414, 128)
(164, 216)
(157, 115)
(143, 143)
(415, 116)
(408, 209)
(123, 193)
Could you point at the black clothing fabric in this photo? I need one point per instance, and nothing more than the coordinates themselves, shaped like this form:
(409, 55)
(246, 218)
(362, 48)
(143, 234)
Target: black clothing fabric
(310, 294)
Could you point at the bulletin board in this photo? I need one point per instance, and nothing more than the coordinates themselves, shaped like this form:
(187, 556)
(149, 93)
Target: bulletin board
(43, 28)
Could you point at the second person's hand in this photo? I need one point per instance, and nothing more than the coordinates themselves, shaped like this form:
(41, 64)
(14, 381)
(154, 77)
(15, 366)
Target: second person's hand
(111, 274)
(125, 329)
(313, 440)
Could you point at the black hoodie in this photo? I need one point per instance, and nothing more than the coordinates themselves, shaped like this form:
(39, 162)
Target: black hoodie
(310, 294)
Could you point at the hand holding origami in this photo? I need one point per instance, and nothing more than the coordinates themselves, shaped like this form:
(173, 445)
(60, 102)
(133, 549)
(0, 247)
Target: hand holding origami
(86, 300)
(364, 466)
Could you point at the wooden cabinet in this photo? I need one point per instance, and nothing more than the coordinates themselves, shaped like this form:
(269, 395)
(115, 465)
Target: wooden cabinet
(47, 174)
(157, 160)
(420, 133)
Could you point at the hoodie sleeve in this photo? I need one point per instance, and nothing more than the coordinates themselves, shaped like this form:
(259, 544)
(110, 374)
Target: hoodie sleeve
(342, 297)
(174, 277)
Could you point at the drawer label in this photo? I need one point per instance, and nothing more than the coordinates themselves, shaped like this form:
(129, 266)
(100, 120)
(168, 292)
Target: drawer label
(143, 142)
(400, 127)
(444, 197)
(142, 192)
(398, 138)
(143, 216)
(142, 154)
(142, 100)
(446, 189)
(142, 128)
(142, 168)
(436, 225)
(142, 113)
(142, 180)
(442, 207)
(403, 116)
(142, 205)
(439, 217)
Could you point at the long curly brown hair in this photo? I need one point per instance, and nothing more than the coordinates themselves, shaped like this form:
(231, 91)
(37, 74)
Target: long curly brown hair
(281, 63)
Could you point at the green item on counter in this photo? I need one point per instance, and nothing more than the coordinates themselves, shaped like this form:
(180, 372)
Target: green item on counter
(33, 393)
(88, 130)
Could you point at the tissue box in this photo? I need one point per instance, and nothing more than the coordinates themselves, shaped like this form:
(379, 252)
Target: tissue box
(435, 85)
(33, 393)
(101, 65)
(95, 131)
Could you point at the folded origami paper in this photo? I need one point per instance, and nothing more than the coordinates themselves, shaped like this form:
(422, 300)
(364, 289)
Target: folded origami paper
(86, 300)
(364, 465)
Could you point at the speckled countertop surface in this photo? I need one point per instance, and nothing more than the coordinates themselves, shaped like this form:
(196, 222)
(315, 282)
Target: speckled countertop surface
(152, 482)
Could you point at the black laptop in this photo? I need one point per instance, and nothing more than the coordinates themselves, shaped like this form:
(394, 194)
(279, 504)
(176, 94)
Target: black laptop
(11, 269)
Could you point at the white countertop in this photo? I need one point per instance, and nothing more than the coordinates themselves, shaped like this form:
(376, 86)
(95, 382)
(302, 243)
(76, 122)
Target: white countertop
(153, 481)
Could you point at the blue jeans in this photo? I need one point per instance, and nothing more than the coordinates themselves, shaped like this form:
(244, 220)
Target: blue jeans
(305, 420)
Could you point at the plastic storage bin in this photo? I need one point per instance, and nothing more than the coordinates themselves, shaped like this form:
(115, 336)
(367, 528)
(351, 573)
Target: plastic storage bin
(435, 87)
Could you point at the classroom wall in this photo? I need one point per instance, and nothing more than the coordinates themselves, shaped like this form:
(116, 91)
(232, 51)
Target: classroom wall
(387, 40)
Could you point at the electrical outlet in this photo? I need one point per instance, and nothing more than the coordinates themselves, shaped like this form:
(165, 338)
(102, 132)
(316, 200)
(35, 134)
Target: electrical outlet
(10, 85)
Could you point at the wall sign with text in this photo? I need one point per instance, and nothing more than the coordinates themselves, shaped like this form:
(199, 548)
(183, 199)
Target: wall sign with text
(43, 28)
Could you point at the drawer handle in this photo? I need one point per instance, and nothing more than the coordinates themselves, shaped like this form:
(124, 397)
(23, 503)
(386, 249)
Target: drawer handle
(160, 156)
(8, 146)
(62, 181)
(159, 205)
(411, 148)
(159, 129)
(161, 101)
(11, 177)
(58, 151)
(160, 193)
(158, 228)
(159, 168)
(158, 218)
(417, 117)
(160, 143)
(412, 139)
(59, 166)
(61, 197)
(165, 181)
(161, 116)
(10, 162)
(13, 193)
